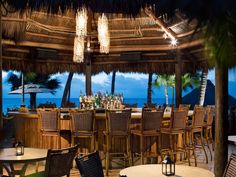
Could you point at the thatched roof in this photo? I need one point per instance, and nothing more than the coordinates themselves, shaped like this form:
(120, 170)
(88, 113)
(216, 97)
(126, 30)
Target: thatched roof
(43, 43)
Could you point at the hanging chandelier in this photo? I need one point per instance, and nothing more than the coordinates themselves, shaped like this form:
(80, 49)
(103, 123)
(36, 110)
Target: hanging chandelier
(78, 49)
(81, 32)
(103, 34)
(81, 22)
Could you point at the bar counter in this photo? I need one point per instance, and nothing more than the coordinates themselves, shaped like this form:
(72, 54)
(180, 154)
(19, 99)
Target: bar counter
(27, 130)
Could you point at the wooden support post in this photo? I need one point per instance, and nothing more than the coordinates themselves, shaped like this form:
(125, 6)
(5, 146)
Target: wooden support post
(88, 75)
(149, 89)
(1, 120)
(178, 78)
(113, 82)
(221, 121)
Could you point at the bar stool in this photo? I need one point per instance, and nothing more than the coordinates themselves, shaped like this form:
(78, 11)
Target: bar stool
(195, 128)
(150, 126)
(175, 131)
(82, 127)
(49, 126)
(207, 128)
(117, 126)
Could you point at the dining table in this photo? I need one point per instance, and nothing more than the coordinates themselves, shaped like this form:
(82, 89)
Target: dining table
(9, 159)
(155, 170)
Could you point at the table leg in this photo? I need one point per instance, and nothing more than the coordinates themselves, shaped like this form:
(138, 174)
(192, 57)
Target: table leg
(12, 172)
(1, 169)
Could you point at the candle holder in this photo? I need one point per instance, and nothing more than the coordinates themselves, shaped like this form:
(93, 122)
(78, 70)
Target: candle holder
(19, 149)
(168, 166)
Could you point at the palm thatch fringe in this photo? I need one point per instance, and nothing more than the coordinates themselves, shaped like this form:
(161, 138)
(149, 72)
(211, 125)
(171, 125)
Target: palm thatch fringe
(44, 67)
(15, 29)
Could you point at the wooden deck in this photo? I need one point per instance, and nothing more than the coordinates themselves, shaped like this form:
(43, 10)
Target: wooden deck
(115, 172)
(6, 141)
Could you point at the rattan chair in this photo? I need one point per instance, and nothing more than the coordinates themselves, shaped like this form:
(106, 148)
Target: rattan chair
(196, 128)
(90, 165)
(82, 127)
(230, 170)
(117, 126)
(49, 126)
(208, 128)
(58, 163)
(175, 130)
(151, 123)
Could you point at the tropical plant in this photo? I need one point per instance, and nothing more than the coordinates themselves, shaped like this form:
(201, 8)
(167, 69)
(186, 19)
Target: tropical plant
(188, 81)
(166, 81)
(45, 80)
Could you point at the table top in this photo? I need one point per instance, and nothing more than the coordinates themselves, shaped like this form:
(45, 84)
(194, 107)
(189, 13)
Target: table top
(154, 170)
(232, 139)
(30, 154)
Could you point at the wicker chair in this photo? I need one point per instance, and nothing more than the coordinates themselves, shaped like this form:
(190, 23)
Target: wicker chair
(175, 130)
(117, 126)
(208, 128)
(90, 165)
(82, 126)
(151, 123)
(58, 163)
(230, 170)
(196, 128)
(49, 126)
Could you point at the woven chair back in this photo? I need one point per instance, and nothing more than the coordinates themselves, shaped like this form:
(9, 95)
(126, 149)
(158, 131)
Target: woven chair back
(49, 120)
(152, 120)
(59, 162)
(179, 119)
(82, 121)
(210, 115)
(184, 107)
(118, 121)
(198, 118)
(90, 165)
(230, 170)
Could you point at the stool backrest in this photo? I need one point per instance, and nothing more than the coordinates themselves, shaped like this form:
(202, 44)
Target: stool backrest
(198, 116)
(151, 120)
(118, 120)
(59, 162)
(209, 115)
(178, 119)
(82, 121)
(90, 165)
(49, 119)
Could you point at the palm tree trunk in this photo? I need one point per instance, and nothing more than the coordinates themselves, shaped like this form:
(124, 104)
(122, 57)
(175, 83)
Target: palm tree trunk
(203, 87)
(66, 89)
(149, 89)
(166, 94)
(33, 101)
(113, 80)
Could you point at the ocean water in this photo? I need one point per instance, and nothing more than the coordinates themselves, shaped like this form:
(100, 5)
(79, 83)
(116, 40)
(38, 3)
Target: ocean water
(13, 103)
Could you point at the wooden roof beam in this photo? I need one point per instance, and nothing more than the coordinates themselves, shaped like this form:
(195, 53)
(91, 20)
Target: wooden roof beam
(160, 23)
(112, 48)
